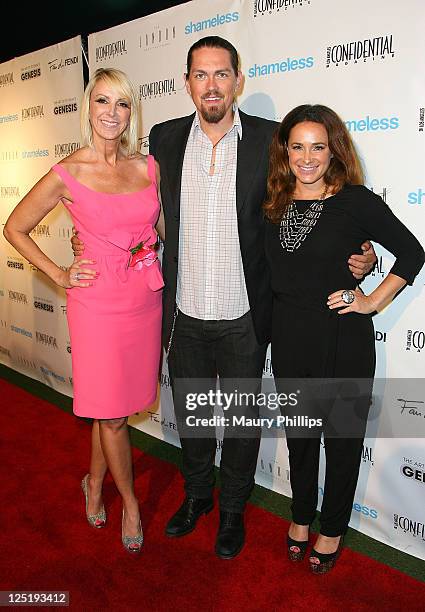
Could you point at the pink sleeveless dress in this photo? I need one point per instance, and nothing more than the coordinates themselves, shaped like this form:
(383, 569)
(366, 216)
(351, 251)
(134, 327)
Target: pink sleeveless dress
(115, 325)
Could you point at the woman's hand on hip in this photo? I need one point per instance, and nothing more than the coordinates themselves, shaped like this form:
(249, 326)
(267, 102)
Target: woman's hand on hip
(351, 300)
(77, 275)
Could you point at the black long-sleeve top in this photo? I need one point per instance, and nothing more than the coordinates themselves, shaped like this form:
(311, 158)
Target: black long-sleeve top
(319, 267)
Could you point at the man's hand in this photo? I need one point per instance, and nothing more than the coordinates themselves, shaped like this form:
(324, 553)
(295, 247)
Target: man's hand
(77, 245)
(360, 265)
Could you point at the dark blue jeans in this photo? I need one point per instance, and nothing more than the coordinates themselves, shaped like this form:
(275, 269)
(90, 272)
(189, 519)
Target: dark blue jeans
(204, 350)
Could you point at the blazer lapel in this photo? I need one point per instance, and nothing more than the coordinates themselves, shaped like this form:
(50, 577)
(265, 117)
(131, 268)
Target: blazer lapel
(248, 148)
(176, 147)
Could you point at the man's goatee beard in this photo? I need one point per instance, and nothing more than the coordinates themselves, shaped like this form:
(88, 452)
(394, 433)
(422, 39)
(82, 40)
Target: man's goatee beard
(213, 115)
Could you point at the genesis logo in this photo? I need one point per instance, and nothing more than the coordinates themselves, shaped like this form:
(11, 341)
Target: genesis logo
(263, 7)
(65, 106)
(413, 474)
(378, 47)
(30, 72)
(40, 231)
(19, 298)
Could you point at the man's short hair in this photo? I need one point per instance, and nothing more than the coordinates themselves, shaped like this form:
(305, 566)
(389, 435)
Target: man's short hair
(214, 42)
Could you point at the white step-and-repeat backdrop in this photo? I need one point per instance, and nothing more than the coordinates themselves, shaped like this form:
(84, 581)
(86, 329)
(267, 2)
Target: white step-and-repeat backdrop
(363, 60)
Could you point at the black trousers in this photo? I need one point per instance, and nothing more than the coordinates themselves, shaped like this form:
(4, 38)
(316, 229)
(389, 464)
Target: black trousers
(309, 344)
(201, 351)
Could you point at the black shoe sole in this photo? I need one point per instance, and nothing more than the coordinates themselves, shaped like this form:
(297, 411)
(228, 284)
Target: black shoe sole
(190, 529)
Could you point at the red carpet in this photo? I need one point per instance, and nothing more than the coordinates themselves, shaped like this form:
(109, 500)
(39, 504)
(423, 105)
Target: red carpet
(46, 543)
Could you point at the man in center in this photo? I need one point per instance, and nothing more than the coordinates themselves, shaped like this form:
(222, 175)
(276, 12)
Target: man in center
(217, 295)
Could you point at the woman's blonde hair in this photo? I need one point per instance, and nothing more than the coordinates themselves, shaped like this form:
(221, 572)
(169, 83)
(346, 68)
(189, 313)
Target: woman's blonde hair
(119, 81)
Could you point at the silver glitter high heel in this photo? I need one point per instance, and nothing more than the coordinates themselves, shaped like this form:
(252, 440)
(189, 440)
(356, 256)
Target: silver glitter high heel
(132, 544)
(95, 520)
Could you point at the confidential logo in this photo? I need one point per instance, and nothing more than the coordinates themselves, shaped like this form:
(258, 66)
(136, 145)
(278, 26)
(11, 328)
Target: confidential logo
(9, 191)
(8, 118)
(354, 51)
(408, 525)
(46, 340)
(57, 64)
(62, 109)
(6, 79)
(280, 66)
(41, 231)
(17, 265)
(31, 73)
(32, 112)
(21, 330)
(16, 296)
(263, 7)
(211, 22)
(66, 148)
(367, 454)
(413, 474)
(43, 306)
(111, 50)
(380, 336)
(157, 89)
(415, 340)
(157, 37)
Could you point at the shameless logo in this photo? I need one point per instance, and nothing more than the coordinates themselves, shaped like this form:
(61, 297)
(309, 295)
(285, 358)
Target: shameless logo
(57, 64)
(263, 7)
(45, 339)
(9, 191)
(354, 51)
(415, 528)
(111, 50)
(66, 148)
(157, 89)
(157, 37)
(32, 112)
(6, 79)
